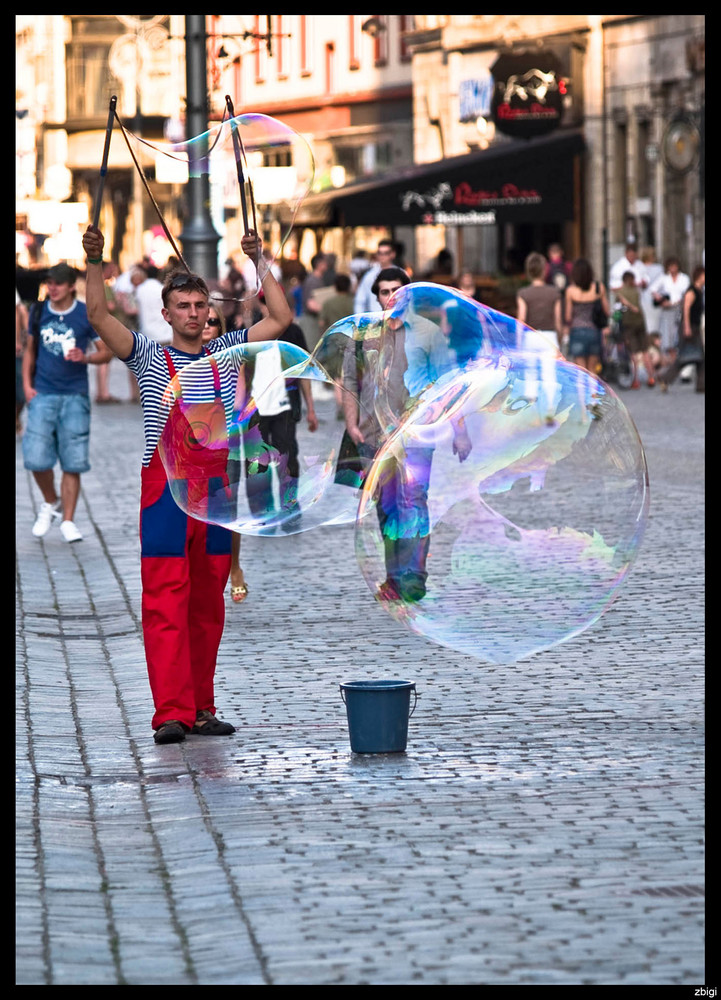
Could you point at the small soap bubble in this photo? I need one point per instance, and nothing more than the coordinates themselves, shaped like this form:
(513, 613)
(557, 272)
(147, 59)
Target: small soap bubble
(246, 463)
(251, 161)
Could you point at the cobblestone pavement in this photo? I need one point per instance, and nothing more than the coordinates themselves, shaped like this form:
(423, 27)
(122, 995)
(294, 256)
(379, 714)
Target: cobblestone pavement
(545, 826)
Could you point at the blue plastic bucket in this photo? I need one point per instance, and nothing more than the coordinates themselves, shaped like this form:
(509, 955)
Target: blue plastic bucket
(378, 714)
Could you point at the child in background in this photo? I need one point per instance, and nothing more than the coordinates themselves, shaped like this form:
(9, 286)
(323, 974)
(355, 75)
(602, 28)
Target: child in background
(633, 327)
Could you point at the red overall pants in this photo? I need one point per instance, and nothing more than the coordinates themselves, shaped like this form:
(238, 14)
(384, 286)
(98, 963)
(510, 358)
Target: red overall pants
(185, 564)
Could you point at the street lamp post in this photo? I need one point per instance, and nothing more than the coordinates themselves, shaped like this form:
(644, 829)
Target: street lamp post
(199, 238)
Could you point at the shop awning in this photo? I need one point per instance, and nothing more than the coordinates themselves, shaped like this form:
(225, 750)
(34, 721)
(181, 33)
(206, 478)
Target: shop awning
(517, 181)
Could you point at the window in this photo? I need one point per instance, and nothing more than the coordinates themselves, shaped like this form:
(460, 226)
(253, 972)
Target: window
(280, 46)
(363, 161)
(380, 41)
(354, 34)
(330, 68)
(406, 22)
(304, 44)
(259, 51)
(88, 81)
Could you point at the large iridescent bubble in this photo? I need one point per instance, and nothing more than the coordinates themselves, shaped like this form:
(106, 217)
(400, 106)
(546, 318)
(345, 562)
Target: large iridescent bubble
(508, 494)
(252, 161)
(499, 492)
(233, 462)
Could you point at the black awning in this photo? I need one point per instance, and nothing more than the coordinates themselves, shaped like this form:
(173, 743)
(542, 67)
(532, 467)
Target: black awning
(520, 181)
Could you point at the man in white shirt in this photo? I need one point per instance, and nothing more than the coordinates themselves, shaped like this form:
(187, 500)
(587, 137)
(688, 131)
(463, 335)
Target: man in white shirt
(365, 300)
(148, 293)
(629, 262)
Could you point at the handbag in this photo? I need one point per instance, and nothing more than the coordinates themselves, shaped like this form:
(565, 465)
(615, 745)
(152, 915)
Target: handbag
(351, 468)
(598, 313)
(690, 352)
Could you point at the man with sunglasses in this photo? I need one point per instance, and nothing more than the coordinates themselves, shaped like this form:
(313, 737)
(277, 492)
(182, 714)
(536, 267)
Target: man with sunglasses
(185, 563)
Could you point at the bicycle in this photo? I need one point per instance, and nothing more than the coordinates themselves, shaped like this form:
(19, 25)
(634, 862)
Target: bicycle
(617, 364)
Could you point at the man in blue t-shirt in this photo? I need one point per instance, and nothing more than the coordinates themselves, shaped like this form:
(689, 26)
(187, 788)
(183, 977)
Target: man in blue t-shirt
(61, 344)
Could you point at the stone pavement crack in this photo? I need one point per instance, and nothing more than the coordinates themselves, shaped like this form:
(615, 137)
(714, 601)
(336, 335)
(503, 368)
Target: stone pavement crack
(33, 819)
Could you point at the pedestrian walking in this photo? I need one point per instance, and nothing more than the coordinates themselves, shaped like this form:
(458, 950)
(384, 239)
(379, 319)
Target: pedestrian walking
(365, 300)
(630, 261)
(466, 284)
(691, 347)
(668, 291)
(334, 309)
(185, 563)
(402, 500)
(558, 269)
(148, 292)
(61, 343)
(538, 305)
(310, 306)
(21, 327)
(339, 305)
(632, 324)
(585, 306)
(278, 411)
(651, 312)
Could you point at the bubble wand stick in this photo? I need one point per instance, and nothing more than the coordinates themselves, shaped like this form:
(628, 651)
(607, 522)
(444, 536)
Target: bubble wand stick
(239, 157)
(104, 164)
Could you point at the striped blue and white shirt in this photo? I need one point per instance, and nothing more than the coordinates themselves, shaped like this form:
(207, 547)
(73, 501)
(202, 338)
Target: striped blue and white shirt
(148, 363)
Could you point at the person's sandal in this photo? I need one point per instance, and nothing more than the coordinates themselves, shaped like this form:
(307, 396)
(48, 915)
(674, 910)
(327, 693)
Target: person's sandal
(239, 594)
(206, 724)
(171, 731)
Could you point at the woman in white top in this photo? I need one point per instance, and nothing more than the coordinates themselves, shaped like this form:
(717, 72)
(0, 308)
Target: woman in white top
(668, 291)
(651, 312)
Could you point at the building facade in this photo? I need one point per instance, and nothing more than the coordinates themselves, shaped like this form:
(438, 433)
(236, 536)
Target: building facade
(488, 135)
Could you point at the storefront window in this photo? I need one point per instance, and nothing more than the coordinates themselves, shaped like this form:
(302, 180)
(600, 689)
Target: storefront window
(88, 80)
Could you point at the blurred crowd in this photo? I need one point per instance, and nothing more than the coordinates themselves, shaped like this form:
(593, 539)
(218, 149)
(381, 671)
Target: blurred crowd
(652, 311)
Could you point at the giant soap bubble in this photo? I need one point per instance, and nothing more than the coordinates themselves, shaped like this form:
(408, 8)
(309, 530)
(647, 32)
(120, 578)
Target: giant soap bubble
(509, 487)
(499, 492)
(236, 465)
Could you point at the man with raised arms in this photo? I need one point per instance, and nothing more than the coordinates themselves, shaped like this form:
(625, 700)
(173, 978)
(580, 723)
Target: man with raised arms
(185, 562)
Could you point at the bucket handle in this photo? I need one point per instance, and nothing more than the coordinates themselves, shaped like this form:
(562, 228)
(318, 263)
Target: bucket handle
(415, 699)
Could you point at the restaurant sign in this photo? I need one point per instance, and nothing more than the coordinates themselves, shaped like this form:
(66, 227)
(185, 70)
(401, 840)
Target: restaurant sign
(465, 203)
(528, 93)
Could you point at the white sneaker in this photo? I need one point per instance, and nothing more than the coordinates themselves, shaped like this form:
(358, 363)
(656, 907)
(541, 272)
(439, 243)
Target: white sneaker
(69, 532)
(49, 513)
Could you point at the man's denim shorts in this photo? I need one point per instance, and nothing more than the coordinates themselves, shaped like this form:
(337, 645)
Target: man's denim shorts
(57, 429)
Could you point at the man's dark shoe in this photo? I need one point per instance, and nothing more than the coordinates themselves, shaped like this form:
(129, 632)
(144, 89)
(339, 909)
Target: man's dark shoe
(206, 724)
(170, 732)
(388, 591)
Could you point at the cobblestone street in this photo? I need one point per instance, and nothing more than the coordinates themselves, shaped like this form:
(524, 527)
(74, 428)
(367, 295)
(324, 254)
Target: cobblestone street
(544, 827)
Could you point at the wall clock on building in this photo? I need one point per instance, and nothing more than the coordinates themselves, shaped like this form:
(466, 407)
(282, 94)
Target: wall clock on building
(681, 144)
